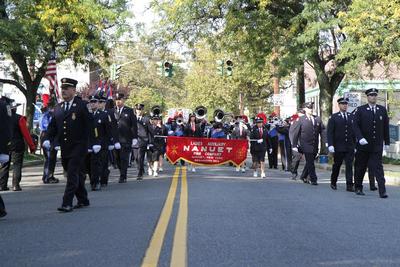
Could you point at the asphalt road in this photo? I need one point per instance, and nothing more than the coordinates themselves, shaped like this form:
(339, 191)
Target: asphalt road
(227, 219)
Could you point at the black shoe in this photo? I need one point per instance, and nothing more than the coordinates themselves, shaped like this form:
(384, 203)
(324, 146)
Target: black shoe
(53, 180)
(294, 176)
(139, 178)
(359, 192)
(373, 188)
(305, 180)
(350, 188)
(333, 186)
(383, 195)
(4, 189)
(17, 188)
(121, 181)
(314, 183)
(3, 213)
(81, 205)
(65, 209)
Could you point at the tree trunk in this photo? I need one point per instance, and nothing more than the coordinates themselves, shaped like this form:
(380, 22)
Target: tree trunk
(300, 85)
(30, 101)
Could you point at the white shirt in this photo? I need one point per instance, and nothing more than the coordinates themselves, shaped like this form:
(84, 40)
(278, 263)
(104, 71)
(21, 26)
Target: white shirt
(373, 108)
(69, 104)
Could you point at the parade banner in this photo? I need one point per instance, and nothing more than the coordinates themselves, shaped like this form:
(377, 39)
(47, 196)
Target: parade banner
(206, 151)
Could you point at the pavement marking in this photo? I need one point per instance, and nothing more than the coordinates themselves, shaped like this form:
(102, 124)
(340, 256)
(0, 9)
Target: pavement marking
(153, 251)
(179, 249)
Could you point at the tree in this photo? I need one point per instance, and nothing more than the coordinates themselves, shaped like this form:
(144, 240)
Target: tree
(32, 30)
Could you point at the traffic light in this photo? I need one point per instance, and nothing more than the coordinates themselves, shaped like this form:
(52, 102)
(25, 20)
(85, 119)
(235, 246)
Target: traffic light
(229, 67)
(220, 67)
(168, 69)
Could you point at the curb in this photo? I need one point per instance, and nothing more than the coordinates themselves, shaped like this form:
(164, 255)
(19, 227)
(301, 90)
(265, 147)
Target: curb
(391, 177)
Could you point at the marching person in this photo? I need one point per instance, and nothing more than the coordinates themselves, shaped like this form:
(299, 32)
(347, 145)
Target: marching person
(128, 133)
(218, 131)
(273, 141)
(285, 146)
(341, 142)
(155, 153)
(20, 136)
(71, 129)
(296, 155)
(259, 147)
(240, 131)
(50, 155)
(305, 139)
(371, 127)
(145, 139)
(5, 137)
(192, 129)
(177, 129)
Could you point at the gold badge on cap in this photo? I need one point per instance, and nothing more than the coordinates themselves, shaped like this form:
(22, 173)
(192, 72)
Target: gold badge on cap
(73, 116)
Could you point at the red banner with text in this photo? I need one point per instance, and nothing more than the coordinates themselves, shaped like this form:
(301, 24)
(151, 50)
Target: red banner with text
(206, 151)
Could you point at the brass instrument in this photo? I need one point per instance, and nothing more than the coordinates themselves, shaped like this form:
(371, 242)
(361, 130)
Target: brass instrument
(179, 120)
(219, 115)
(155, 111)
(200, 112)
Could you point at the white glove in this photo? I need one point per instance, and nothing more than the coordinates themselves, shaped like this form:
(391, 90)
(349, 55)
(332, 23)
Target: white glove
(46, 144)
(260, 141)
(170, 132)
(331, 149)
(117, 146)
(4, 158)
(111, 147)
(96, 149)
(270, 151)
(363, 142)
(149, 146)
(134, 142)
(89, 150)
(57, 148)
(295, 149)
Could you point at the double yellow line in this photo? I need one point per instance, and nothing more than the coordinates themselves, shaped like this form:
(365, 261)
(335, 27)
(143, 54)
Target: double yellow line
(179, 249)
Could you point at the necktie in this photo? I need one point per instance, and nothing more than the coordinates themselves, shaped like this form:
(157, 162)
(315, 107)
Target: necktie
(240, 131)
(67, 106)
(261, 132)
(193, 127)
(373, 109)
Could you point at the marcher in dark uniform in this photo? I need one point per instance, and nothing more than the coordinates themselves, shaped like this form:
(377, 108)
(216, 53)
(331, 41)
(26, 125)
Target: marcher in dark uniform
(154, 152)
(71, 126)
(5, 137)
(273, 141)
(192, 129)
(296, 155)
(20, 135)
(259, 147)
(371, 127)
(240, 131)
(305, 140)
(285, 146)
(127, 128)
(341, 142)
(145, 139)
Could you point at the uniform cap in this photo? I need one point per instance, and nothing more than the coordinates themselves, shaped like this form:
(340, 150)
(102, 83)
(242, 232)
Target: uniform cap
(371, 91)
(343, 100)
(68, 82)
(139, 106)
(309, 105)
(119, 96)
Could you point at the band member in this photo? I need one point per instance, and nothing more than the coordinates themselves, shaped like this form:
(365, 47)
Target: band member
(127, 135)
(218, 131)
(20, 136)
(371, 127)
(164, 128)
(192, 129)
(71, 129)
(155, 152)
(341, 142)
(273, 141)
(145, 139)
(285, 146)
(259, 147)
(50, 156)
(296, 155)
(177, 129)
(240, 131)
(5, 137)
(305, 140)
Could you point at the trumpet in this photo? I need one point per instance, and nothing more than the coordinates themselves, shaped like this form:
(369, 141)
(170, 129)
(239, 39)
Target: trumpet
(155, 111)
(200, 112)
(179, 121)
(219, 115)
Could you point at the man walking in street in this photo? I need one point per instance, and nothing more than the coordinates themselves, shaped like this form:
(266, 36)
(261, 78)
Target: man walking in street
(5, 137)
(371, 127)
(341, 142)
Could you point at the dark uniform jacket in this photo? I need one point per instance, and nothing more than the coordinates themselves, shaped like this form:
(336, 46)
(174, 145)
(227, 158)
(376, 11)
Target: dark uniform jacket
(72, 130)
(144, 132)
(160, 142)
(340, 132)
(236, 132)
(113, 124)
(373, 127)
(305, 135)
(255, 134)
(127, 125)
(102, 128)
(5, 129)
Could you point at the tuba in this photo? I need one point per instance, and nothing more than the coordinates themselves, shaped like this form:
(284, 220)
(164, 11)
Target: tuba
(219, 115)
(200, 112)
(179, 120)
(155, 111)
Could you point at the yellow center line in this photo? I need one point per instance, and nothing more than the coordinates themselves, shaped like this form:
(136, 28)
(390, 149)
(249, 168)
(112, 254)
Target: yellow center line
(179, 249)
(153, 251)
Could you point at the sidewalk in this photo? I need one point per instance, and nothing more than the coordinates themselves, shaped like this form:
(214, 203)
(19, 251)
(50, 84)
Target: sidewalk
(392, 172)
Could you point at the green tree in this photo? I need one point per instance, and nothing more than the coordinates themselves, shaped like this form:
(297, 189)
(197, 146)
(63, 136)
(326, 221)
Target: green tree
(32, 30)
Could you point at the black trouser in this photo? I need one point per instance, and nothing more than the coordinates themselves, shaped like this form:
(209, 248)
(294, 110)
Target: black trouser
(273, 157)
(372, 160)
(95, 167)
(75, 181)
(50, 160)
(2, 206)
(17, 158)
(140, 154)
(309, 168)
(286, 155)
(371, 176)
(338, 158)
(122, 159)
(104, 172)
(296, 157)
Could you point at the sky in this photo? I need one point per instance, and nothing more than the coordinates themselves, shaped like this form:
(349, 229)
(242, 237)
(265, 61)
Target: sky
(142, 13)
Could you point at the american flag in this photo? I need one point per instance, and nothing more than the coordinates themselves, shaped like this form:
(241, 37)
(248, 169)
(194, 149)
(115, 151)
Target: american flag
(51, 75)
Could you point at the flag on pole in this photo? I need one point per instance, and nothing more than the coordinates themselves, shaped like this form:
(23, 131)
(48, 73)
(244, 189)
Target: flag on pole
(109, 91)
(51, 75)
